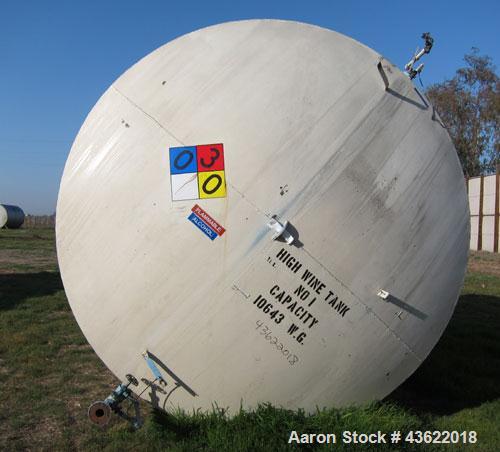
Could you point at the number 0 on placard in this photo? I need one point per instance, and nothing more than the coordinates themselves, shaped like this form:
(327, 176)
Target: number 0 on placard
(212, 184)
(197, 172)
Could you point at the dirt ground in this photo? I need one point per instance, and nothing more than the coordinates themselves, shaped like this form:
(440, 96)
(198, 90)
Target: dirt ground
(484, 262)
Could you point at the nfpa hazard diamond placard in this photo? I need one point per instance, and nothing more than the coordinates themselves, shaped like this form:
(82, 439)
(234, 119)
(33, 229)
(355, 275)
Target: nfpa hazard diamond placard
(197, 172)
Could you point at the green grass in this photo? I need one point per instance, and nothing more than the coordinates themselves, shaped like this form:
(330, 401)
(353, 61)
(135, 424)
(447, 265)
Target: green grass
(49, 375)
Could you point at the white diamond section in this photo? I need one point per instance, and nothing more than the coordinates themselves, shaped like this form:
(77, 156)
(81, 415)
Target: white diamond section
(184, 186)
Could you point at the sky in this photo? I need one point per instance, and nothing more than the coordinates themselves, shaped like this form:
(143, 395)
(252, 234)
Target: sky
(58, 57)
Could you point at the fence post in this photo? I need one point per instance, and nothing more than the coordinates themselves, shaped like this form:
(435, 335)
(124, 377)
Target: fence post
(497, 213)
(480, 225)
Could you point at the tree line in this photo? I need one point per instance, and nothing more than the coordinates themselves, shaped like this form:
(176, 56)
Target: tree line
(469, 107)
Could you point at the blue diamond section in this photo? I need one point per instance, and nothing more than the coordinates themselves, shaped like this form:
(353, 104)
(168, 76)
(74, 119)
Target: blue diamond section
(183, 160)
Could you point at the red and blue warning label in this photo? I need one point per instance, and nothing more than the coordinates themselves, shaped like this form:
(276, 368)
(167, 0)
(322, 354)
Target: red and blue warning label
(205, 223)
(197, 172)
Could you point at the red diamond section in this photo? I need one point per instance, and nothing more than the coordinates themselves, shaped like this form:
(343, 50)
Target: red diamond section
(210, 157)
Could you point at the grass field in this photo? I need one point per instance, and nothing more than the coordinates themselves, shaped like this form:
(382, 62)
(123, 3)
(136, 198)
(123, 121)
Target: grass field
(49, 375)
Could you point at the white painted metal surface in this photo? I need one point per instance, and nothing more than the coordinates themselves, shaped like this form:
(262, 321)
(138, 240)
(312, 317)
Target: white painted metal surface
(3, 216)
(369, 182)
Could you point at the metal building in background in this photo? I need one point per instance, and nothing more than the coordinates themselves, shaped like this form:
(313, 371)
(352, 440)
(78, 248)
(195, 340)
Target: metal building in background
(11, 217)
(484, 205)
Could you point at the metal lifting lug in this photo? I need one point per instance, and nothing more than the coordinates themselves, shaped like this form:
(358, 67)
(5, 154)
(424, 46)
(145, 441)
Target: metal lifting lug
(280, 230)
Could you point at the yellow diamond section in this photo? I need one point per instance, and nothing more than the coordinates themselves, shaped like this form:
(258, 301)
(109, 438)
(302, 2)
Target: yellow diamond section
(212, 184)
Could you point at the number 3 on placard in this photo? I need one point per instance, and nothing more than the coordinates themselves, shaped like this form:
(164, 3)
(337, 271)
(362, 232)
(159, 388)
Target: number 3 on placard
(214, 155)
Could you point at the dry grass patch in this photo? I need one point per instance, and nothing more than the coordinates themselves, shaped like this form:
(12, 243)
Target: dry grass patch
(484, 262)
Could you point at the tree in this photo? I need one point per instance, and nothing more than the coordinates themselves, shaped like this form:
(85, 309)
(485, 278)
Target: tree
(469, 106)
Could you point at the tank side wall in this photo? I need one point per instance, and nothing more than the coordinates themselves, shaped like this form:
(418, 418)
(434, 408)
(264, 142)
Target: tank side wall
(15, 216)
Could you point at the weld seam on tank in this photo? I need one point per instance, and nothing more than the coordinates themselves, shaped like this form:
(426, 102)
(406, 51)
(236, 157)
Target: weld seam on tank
(158, 123)
(369, 310)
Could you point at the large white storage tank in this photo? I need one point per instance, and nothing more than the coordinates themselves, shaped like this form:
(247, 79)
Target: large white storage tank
(214, 141)
(11, 217)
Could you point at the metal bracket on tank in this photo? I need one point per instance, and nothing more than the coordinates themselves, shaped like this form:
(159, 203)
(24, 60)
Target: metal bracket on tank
(383, 74)
(154, 368)
(100, 412)
(383, 294)
(280, 230)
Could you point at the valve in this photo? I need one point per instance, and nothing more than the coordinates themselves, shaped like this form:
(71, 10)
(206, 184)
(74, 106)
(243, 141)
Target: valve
(100, 412)
(410, 71)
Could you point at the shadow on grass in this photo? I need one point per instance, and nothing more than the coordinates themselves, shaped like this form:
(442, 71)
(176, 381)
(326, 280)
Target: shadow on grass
(463, 370)
(17, 287)
(179, 427)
